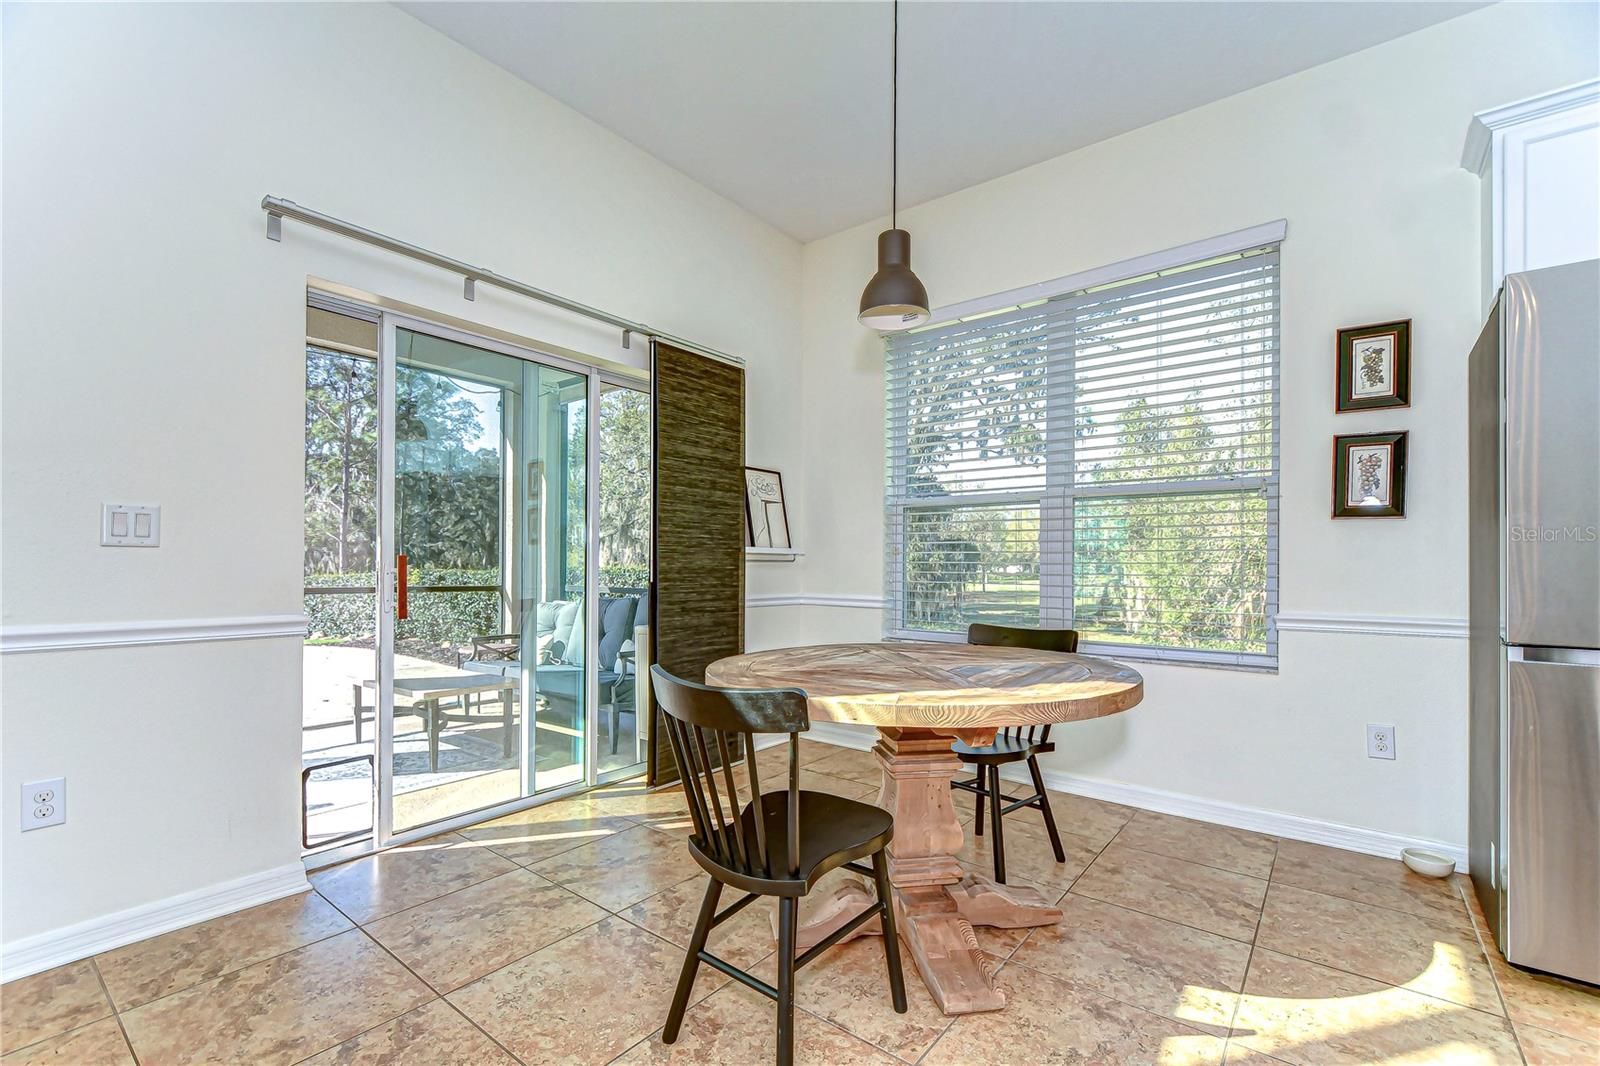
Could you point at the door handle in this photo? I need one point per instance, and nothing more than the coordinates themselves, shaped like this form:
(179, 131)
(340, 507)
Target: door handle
(400, 594)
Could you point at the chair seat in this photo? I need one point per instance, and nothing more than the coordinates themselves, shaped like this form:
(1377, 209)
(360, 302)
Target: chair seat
(833, 831)
(1004, 749)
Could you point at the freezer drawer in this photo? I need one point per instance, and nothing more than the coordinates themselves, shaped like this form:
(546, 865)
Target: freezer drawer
(1551, 327)
(1553, 811)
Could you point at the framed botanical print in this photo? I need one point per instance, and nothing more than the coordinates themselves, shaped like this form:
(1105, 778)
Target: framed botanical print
(1374, 367)
(1369, 475)
(766, 516)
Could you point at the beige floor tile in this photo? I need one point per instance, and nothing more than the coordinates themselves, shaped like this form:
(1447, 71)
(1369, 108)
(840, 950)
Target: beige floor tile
(434, 1034)
(1052, 894)
(1028, 855)
(281, 1010)
(1549, 1003)
(1365, 879)
(849, 986)
(1180, 891)
(97, 1044)
(810, 751)
(1185, 974)
(1305, 1013)
(743, 940)
(371, 887)
(851, 764)
(582, 1000)
(663, 808)
(1210, 845)
(998, 944)
(1089, 819)
(458, 938)
(1239, 1055)
(812, 781)
(622, 870)
(1424, 954)
(50, 1003)
(174, 961)
(1541, 1047)
(738, 1026)
(1050, 1021)
(1536, 1000)
(549, 829)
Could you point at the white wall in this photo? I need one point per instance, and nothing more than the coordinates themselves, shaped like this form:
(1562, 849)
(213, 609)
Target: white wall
(154, 352)
(1362, 157)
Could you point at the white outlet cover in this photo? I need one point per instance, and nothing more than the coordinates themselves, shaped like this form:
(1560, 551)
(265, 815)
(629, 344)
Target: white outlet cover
(1380, 741)
(44, 803)
(130, 525)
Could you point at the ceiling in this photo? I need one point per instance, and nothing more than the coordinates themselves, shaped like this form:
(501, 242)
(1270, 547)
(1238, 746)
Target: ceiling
(784, 107)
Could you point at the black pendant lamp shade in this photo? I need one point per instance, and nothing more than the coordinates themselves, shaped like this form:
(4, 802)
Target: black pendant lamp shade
(894, 298)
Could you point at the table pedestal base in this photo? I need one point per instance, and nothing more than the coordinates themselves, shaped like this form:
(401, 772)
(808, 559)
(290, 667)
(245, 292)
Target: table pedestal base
(937, 900)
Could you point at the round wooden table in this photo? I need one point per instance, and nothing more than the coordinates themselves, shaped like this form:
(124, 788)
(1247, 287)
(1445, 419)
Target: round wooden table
(920, 697)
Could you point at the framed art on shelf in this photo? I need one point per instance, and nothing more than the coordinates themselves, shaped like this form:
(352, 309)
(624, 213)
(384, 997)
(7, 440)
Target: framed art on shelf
(1369, 475)
(766, 516)
(1374, 367)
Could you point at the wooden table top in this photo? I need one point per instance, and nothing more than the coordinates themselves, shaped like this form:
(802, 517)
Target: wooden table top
(945, 687)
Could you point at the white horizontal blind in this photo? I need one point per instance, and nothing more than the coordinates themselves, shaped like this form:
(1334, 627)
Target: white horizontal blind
(1104, 459)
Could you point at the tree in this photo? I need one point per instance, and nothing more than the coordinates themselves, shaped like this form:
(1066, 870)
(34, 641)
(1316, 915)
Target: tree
(625, 480)
(449, 492)
(341, 461)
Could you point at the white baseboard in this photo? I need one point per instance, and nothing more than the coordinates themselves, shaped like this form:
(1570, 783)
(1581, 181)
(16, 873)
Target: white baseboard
(1219, 812)
(58, 947)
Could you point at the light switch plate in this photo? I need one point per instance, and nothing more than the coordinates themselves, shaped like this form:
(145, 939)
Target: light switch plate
(130, 525)
(44, 803)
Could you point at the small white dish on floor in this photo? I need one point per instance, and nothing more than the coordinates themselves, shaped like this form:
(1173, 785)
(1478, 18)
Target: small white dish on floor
(1428, 863)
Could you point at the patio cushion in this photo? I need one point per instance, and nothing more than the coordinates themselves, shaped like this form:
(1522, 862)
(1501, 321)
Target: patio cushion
(616, 626)
(554, 619)
(559, 630)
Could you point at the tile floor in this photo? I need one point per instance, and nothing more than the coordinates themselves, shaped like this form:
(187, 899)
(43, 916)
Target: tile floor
(555, 935)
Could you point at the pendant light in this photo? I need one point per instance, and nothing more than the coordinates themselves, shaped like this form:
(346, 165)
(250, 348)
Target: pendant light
(894, 299)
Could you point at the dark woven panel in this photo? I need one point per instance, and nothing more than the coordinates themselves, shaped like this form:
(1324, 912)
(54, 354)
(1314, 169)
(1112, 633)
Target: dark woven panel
(697, 606)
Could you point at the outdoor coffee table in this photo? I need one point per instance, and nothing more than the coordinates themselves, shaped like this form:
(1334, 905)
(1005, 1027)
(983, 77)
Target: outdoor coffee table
(921, 697)
(425, 693)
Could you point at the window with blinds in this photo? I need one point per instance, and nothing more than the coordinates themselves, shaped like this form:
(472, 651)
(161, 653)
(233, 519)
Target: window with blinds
(1104, 460)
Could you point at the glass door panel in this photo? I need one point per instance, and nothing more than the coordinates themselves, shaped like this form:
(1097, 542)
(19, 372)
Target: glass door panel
(340, 654)
(624, 576)
(556, 424)
(458, 521)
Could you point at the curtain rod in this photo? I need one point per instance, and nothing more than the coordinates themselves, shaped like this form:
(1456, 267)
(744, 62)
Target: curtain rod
(278, 209)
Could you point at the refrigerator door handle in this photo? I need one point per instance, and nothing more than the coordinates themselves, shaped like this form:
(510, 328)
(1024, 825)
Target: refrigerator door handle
(1563, 656)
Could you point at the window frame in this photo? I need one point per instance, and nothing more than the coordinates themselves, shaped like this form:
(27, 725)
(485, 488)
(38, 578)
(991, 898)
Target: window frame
(1055, 502)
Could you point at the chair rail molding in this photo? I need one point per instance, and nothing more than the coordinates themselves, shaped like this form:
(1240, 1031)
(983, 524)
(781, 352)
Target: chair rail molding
(871, 603)
(70, 636)
(1379, 624)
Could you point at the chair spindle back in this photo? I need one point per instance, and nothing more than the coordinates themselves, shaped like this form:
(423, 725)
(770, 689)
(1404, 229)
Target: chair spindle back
(700, 721)
(1063, 640)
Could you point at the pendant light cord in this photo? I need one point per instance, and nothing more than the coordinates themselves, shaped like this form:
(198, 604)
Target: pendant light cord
(894, 118)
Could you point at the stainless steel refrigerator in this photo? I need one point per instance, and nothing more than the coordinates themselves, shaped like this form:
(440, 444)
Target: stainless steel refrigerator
(1534, 501)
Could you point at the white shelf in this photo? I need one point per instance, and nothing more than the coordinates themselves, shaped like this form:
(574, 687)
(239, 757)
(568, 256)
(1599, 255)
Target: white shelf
(773, 555)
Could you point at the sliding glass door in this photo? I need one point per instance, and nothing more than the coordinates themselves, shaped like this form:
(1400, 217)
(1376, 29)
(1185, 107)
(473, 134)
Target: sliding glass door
(458, 662)
(624, 576)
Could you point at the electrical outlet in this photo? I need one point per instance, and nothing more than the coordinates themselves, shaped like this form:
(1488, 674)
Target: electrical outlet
(44, 803)
(1380, 741)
